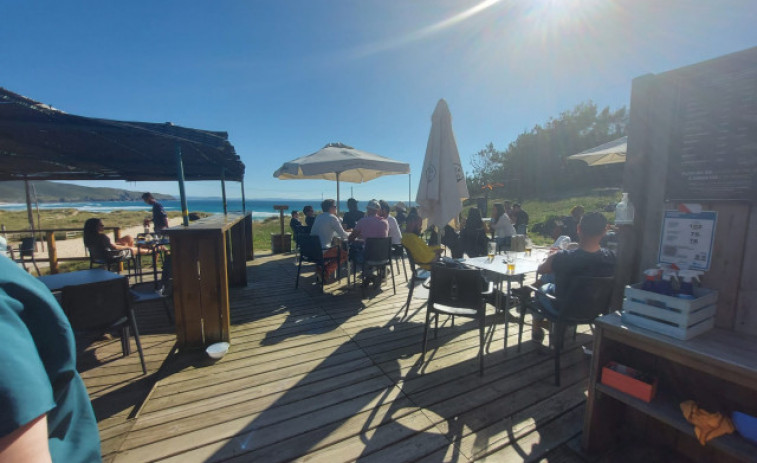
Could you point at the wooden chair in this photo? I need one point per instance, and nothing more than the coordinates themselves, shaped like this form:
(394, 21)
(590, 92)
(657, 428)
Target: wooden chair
(457, 292)
(584, 300)
(101, 307)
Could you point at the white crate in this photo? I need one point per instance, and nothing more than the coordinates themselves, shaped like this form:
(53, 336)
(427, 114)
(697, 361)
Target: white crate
(672, 316)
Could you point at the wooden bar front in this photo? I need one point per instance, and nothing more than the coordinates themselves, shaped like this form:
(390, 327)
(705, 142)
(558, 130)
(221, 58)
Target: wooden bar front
(208, 256)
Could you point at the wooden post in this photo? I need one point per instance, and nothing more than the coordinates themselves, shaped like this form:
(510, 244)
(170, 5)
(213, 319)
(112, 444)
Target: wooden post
(52, 252)
(281, 210)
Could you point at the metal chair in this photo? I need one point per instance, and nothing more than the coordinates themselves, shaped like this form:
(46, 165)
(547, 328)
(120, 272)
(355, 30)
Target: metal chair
(110, 258)
(162, 293)
(378, 254)
(398, 255)
(417, 275)
(101, 307)
(583, 301)
(457, 292)
(311, 252)
(26, 249)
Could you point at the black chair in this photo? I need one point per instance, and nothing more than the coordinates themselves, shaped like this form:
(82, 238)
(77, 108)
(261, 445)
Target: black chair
(418, 275)
(101, 307)
(26, 249)
(377, 254)
(163, 293)
(583, 301)
(111, 258)
(398, 255)
(457, 292)
(311, 252)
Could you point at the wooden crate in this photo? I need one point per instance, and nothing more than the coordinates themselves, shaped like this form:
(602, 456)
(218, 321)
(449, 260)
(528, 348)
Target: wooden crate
(671, 316)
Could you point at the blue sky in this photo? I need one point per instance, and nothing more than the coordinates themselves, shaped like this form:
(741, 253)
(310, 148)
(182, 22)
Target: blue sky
(285, 77)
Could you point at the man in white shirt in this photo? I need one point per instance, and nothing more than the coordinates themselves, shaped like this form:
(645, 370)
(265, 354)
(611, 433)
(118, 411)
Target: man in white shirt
(502, 227)
(326, 227)
(394, 229)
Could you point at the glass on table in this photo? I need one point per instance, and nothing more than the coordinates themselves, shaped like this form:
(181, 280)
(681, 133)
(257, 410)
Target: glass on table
(492, 249)
(510, 261)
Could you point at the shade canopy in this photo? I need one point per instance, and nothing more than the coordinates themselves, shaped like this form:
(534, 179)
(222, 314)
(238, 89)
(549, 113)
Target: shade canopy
(39, 142)
(443, 186)
(337, 161)
(608, 153)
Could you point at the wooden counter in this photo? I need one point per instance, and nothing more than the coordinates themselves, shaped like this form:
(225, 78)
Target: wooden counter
(208, 256)
(717, 369)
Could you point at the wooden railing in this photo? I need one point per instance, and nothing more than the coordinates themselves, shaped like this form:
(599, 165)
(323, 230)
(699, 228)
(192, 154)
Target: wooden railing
(52, 254)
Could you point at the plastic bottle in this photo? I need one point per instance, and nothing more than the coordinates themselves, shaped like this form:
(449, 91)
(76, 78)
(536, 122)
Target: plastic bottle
(668, 284)
(624, 211)
(688, 277)
(651, 279)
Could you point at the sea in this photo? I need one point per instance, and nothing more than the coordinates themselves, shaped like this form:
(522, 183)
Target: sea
(261, 208)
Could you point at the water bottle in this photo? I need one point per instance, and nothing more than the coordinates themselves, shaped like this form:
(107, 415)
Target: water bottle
(624, 211)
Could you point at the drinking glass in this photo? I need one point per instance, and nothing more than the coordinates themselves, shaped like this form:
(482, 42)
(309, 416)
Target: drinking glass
(492, 249)
(510, 261)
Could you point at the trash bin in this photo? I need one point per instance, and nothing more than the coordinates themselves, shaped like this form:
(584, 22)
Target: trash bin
(281, 243)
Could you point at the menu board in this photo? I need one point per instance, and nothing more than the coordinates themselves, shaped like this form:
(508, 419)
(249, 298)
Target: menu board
(687, 239)
(714, 147)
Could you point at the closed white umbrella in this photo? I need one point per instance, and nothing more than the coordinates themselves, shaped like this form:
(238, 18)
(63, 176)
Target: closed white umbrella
(337, 161)
(442, 187)
(611, 152)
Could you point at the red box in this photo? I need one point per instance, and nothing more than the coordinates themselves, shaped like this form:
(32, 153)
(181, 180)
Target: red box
(630, 381)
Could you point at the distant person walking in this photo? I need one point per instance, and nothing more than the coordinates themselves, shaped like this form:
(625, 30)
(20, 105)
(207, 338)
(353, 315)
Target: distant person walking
(159, 216)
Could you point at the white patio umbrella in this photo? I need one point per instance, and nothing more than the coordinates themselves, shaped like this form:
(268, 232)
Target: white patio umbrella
(442, 187)
(608, 153)
(337, 161)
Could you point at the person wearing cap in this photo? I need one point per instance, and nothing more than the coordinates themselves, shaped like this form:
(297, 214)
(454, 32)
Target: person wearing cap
(372, 225)
(352, 215)
(326, 227)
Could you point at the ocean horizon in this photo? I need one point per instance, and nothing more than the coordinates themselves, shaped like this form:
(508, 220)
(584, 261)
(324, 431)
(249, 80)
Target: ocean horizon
(261, 208)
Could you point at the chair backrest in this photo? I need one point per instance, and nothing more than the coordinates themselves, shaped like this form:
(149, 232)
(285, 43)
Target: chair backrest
(456, 287)
(377, 251)
(310, 248)
(96, 306)
(26, 248)
(585, 299)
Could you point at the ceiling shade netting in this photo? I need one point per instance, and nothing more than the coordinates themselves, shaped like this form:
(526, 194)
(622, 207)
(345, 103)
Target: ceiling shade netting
(39, 142)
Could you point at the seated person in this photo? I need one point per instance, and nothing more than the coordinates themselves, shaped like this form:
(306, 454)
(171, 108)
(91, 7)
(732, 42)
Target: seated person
(99, 243)
(588, 259)
(326, 227)
(570, 223)
(394, 228)
(502, 227)
(352, 215)
(309, 215)
(370, 226)
(473, 235)
(423, 254)
(401, 216)
(520, 219)
(295, 224)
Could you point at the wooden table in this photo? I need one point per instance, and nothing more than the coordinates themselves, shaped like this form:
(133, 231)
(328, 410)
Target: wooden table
(717, 369)
(207, 257)
(80, 277)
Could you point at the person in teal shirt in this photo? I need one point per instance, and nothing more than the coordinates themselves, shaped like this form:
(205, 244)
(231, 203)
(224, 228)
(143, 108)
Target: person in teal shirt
(45, 412)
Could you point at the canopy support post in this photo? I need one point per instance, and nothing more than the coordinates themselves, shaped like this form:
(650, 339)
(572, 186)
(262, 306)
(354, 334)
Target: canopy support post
(409, 191)
(182, 190)
(244, 208)
(223, 190)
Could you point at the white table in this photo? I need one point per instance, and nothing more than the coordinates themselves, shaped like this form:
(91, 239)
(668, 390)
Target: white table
(497, 269)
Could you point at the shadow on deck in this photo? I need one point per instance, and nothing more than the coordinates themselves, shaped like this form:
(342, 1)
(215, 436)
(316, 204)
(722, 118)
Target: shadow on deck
(333, 377)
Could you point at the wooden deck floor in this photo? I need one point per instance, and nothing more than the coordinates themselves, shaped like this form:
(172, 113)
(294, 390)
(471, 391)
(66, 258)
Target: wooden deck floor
(333, 377)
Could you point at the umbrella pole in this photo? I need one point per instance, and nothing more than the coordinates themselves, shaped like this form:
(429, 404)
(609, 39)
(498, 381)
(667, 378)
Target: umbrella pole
(337, 193)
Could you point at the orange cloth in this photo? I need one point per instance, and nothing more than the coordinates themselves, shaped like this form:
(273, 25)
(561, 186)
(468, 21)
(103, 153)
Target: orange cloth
(707, 425)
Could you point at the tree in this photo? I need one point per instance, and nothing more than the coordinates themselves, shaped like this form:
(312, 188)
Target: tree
(534, 165)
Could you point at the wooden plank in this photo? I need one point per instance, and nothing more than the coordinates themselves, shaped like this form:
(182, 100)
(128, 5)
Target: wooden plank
(746, 309)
